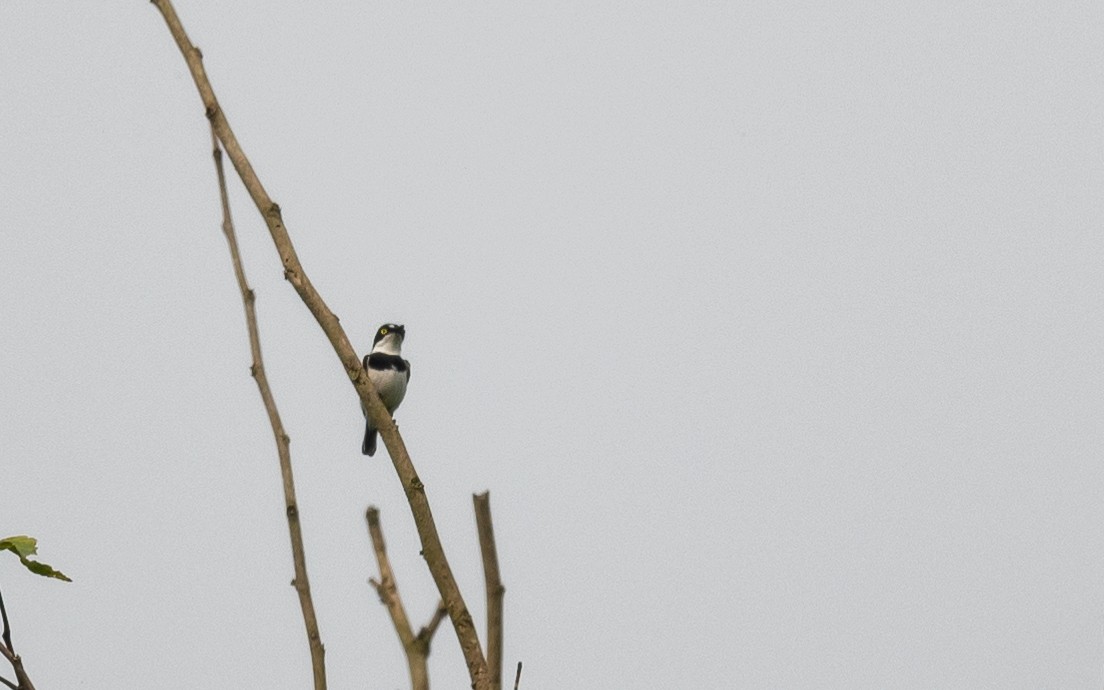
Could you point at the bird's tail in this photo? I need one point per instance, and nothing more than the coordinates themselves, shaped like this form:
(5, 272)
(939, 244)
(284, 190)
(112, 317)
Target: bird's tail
(369, 445)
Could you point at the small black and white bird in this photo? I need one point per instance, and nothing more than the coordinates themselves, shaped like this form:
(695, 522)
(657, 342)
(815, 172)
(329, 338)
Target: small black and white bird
(389, 373)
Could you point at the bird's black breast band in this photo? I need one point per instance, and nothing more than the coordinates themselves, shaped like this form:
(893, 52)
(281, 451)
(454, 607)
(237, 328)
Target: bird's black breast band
(381, 361)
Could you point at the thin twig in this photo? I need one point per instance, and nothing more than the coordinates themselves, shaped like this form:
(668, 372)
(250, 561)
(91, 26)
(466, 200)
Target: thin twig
(493, 581)
(301, 582)
(7, 629)
(293, 271)
(517, 678)
(22, 682)
(386, 587)
(416, 647)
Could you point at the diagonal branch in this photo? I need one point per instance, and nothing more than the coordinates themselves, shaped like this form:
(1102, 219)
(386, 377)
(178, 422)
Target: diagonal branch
(301, 583)
(416, 647)
(493, 581)
(293, 271)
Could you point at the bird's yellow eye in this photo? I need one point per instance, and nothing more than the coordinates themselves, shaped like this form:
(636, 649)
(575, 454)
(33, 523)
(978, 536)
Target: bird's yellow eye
(383, 331)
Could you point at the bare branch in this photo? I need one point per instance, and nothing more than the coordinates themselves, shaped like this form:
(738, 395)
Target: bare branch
(416, 651)
(386, 587)
(493, 582)
(293, 271)
(22, 682)
(301, 582)
(517, 678)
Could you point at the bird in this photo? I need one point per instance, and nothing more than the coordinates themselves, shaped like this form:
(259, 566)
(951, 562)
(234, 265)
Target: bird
(389, 373)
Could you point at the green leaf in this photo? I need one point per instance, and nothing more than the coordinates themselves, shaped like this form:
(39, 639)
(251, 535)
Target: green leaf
(24, 546)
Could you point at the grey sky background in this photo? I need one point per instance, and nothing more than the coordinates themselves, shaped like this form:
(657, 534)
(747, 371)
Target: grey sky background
(773, 331)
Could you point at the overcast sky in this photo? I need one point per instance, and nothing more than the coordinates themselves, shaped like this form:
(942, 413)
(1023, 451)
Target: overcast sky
(774, 330)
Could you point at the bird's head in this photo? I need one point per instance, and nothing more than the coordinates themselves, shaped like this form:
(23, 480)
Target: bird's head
(389, 338)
